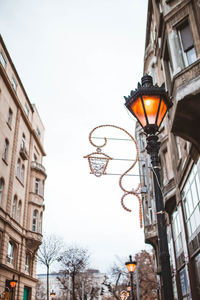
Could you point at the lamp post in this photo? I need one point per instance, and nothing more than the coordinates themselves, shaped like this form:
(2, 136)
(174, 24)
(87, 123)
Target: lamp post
(149, 105)
(12, 283)
(131, 265)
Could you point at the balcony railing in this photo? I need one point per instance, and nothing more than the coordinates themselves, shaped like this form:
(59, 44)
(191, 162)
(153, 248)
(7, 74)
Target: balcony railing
(38, 166)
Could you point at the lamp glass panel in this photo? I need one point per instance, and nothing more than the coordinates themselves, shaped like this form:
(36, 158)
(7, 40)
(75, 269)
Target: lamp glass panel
(131, 267)
(138, 111)
(12, 284)
(162, 112)
(151, 104)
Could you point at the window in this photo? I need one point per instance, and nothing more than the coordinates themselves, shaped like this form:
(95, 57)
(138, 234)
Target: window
(35, 220)
(5, 151)
(27, 262)
(176, 226)
(187, 44)
(10, 114)
(191, 201)
(26, 108)
(178, 147)
(37, 185)
(18, 167)
(38, 132)
(19, 206)
(35, 157)
(22, 173)
(3, 59)
(10, 253)
(23, 141)
(14, 206)
(14, 83)
(40, 224)
(1, 189)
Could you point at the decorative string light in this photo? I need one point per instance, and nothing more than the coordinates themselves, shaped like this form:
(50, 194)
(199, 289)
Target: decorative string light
(98, 163)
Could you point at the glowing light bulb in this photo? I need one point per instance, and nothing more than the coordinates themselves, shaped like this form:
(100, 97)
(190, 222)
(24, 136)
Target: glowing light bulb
(148, 102)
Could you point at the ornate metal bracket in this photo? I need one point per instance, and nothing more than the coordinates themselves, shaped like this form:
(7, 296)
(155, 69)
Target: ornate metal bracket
(98, 163)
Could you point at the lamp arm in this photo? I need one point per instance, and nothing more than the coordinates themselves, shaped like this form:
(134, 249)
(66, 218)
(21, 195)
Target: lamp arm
(126, 192)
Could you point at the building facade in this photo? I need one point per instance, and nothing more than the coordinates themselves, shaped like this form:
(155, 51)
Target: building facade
(172, 57)
(22, 178)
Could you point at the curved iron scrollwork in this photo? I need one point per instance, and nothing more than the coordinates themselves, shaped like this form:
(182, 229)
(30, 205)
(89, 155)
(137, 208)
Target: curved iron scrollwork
(101, 169)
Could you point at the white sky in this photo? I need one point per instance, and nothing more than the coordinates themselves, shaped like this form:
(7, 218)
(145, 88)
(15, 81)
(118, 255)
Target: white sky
(77, 59)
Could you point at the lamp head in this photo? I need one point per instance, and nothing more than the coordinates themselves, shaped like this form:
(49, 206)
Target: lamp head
(148, 104)
(131, 265)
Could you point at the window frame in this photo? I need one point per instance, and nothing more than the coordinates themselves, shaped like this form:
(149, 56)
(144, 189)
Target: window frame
(2, 183)
(190, 204)
(5, 151)
(3, 59)
(11, 252)
(35, 221)
(183, 25)
(14, 206)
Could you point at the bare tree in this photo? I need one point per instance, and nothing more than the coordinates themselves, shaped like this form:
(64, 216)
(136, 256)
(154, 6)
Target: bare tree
(74, 262)
(48, 253)
(147, 275)
(40, 291)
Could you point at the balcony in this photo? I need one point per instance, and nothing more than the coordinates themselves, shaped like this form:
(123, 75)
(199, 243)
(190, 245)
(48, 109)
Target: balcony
(23, 152)
(38, 167)
(33, 240)
(187, 106)
(151, 234)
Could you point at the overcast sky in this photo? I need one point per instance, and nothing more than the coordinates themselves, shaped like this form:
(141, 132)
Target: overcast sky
(77, 59)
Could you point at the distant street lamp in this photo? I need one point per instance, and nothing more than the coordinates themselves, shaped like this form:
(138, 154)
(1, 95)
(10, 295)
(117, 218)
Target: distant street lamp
(52, 294)
(131, 266)
(12, 284)
(149, 105)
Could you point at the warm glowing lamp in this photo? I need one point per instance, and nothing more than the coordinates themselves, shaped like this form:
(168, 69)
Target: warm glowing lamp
(131, 265)
(148, 104)
(53, 294)
(13, 282)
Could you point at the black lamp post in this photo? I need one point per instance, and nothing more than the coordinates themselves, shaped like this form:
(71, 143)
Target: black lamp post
(12, 283)
(131, 265)
(149, 105)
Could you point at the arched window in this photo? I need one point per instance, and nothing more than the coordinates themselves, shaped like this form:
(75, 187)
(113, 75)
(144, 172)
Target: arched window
(1, 189)
(18, 167)
(40, 223)
(22, 173)
(14, 207)
(19, 206)
(5, 151)
(35, 220)
(10, 257)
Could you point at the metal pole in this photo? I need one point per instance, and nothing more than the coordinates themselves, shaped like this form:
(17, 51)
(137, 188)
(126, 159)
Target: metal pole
(153, 146)
(68, 293)
(132, 293)
(83, 290)
(137, 283)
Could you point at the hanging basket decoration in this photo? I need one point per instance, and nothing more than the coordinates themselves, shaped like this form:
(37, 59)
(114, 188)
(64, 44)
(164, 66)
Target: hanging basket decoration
(98, 162)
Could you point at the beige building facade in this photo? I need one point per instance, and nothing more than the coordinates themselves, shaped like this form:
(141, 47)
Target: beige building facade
(22, 178)
(172, 58)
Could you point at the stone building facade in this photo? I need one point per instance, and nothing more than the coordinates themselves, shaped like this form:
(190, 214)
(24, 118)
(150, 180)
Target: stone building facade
(22, 178)
(172, 57)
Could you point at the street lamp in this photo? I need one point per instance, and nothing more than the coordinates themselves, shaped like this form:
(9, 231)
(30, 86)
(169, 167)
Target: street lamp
(131, 266)
(149, 105)
(12, 284)
(52, 294)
